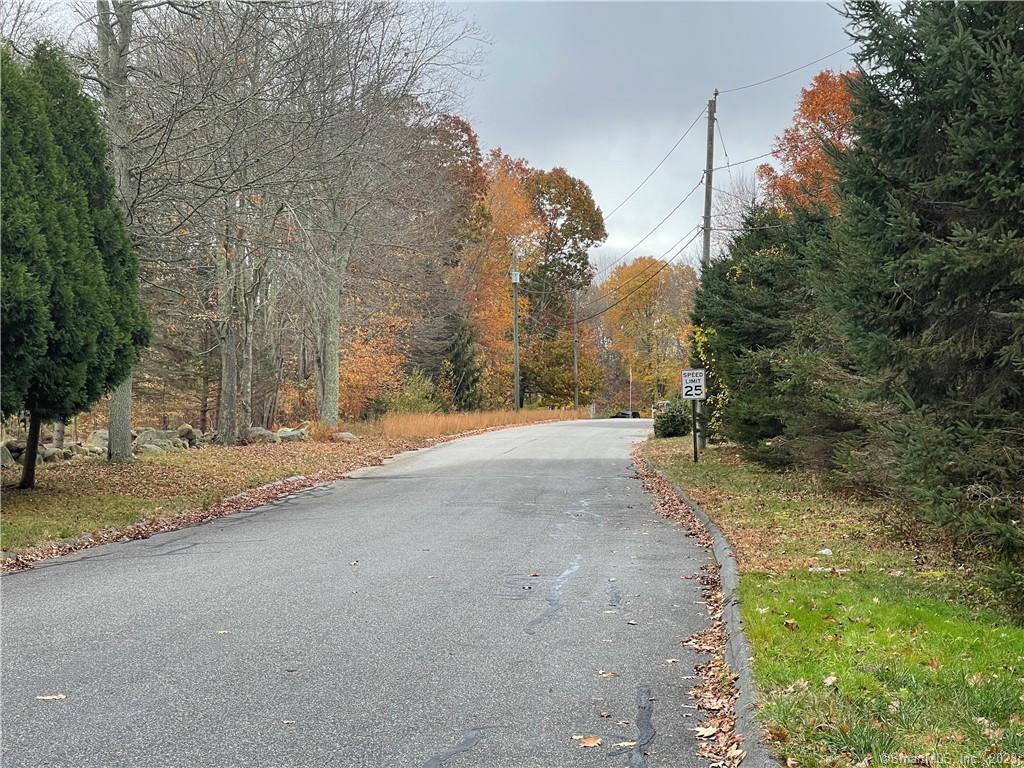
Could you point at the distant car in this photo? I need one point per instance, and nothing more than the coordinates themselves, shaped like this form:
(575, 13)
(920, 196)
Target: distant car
(627, 415)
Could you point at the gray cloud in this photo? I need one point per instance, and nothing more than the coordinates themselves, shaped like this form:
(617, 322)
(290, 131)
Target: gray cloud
(604, 89)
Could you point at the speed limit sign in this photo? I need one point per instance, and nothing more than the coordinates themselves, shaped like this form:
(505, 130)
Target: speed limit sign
(693, 384)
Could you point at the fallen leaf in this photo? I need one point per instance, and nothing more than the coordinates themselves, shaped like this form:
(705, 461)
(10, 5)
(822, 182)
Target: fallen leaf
(534, 574)
(622, 722)
(52, 697)
(288, 722)
(223, 631)
(624, 744)
(735, 753)
(830, 681)
(706, 732)
(671, 661)
(789, 624)
(603, 713)
(590, 741)
(354, 562)
(606, 673)
(791, 762)
(631, 622)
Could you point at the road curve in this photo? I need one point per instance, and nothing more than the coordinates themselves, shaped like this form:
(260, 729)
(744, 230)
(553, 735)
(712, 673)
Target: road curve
(455, 607)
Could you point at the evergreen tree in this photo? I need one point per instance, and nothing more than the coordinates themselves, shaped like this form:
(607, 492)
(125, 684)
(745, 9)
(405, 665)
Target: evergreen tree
(779, 379)
(932, 243)
(68, 353)
(78, 132)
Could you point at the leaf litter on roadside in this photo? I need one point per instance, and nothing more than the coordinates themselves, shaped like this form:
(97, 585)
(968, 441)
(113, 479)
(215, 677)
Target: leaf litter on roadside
(716, 692)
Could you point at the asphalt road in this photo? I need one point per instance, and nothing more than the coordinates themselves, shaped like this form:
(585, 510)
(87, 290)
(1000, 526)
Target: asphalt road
(453, 608)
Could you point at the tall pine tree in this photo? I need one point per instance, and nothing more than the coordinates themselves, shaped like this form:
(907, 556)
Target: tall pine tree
(932, 240)
(63, 344)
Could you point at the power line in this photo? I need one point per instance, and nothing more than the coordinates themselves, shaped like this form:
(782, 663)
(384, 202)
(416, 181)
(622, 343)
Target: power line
(741, 162)
(660, 163)
(789, 72)
(728, 162)
(641, 285)
(656, 227)
(621, 286)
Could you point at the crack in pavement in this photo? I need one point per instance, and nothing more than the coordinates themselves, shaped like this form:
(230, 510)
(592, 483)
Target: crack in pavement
(644, 724)
(554, 598)
(469, 740)
(615, 598)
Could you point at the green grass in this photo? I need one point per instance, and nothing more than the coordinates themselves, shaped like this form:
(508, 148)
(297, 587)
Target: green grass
(73, 498)
(923, 659)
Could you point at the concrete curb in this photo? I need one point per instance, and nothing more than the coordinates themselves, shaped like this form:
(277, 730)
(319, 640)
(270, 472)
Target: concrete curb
(737, 648)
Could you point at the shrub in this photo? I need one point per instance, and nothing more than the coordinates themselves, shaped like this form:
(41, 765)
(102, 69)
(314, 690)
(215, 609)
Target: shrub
(674, 421)
(416, 396)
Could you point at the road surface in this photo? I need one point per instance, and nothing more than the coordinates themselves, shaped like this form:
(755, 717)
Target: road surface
(455, 607)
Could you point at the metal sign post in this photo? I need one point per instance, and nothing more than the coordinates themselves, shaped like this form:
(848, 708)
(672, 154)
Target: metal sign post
(693, 390)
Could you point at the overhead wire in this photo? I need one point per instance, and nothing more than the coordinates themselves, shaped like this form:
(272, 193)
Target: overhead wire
(661, 162)
(657, 226)
(846, 47)
(666, 253)
(641, 285)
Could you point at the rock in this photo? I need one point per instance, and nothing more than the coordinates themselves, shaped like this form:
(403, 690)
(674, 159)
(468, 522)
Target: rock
(95, 450)
(98, 438)
(826, 552)
(80, 450)
(148, 448)
(287, 435)
(344, 437)
(50, 454)
(67, 453)
(261, 435)
(156, 436)
(189, 435)
(6, 459)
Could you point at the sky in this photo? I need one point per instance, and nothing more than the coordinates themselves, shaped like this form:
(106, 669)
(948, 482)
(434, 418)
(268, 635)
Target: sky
(605, 89)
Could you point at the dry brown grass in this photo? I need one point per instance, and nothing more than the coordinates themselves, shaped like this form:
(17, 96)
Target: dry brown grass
(394, 425)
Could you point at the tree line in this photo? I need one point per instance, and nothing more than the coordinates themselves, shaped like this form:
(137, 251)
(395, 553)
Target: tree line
(868, 316)
(288, 221)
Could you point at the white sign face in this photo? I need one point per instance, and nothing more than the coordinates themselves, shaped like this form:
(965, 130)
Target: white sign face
(693, 384)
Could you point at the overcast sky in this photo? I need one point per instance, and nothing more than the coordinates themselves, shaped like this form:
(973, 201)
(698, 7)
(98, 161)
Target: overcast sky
(605, 89)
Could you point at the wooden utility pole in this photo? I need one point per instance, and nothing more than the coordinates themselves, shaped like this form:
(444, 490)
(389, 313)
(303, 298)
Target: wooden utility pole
(515, 329)
(705, 257)
(575, 351)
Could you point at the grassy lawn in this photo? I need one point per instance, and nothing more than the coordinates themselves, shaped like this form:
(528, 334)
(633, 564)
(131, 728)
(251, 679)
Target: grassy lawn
(84, 497)
(879, 653)
(89, 496)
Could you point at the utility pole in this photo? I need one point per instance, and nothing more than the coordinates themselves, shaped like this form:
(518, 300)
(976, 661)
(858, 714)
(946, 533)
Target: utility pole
(631, 390)
(705, 257)
(575, 351)
(515, 329)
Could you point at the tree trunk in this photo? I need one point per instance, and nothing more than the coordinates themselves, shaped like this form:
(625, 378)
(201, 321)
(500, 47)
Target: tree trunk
(330, 396)
(329, 400)
(226, 422)
(58, 434)
(245, 374)
(119, 426)
(114, 36)
(28, 472)
(204, 402)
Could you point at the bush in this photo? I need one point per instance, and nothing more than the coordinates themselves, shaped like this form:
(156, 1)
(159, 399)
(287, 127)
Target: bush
(674, 421)
(417, 396)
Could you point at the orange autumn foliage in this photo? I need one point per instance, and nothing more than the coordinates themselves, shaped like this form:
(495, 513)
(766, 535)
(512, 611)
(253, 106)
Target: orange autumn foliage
(482, 277)
(372, 363)
(807, 176)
